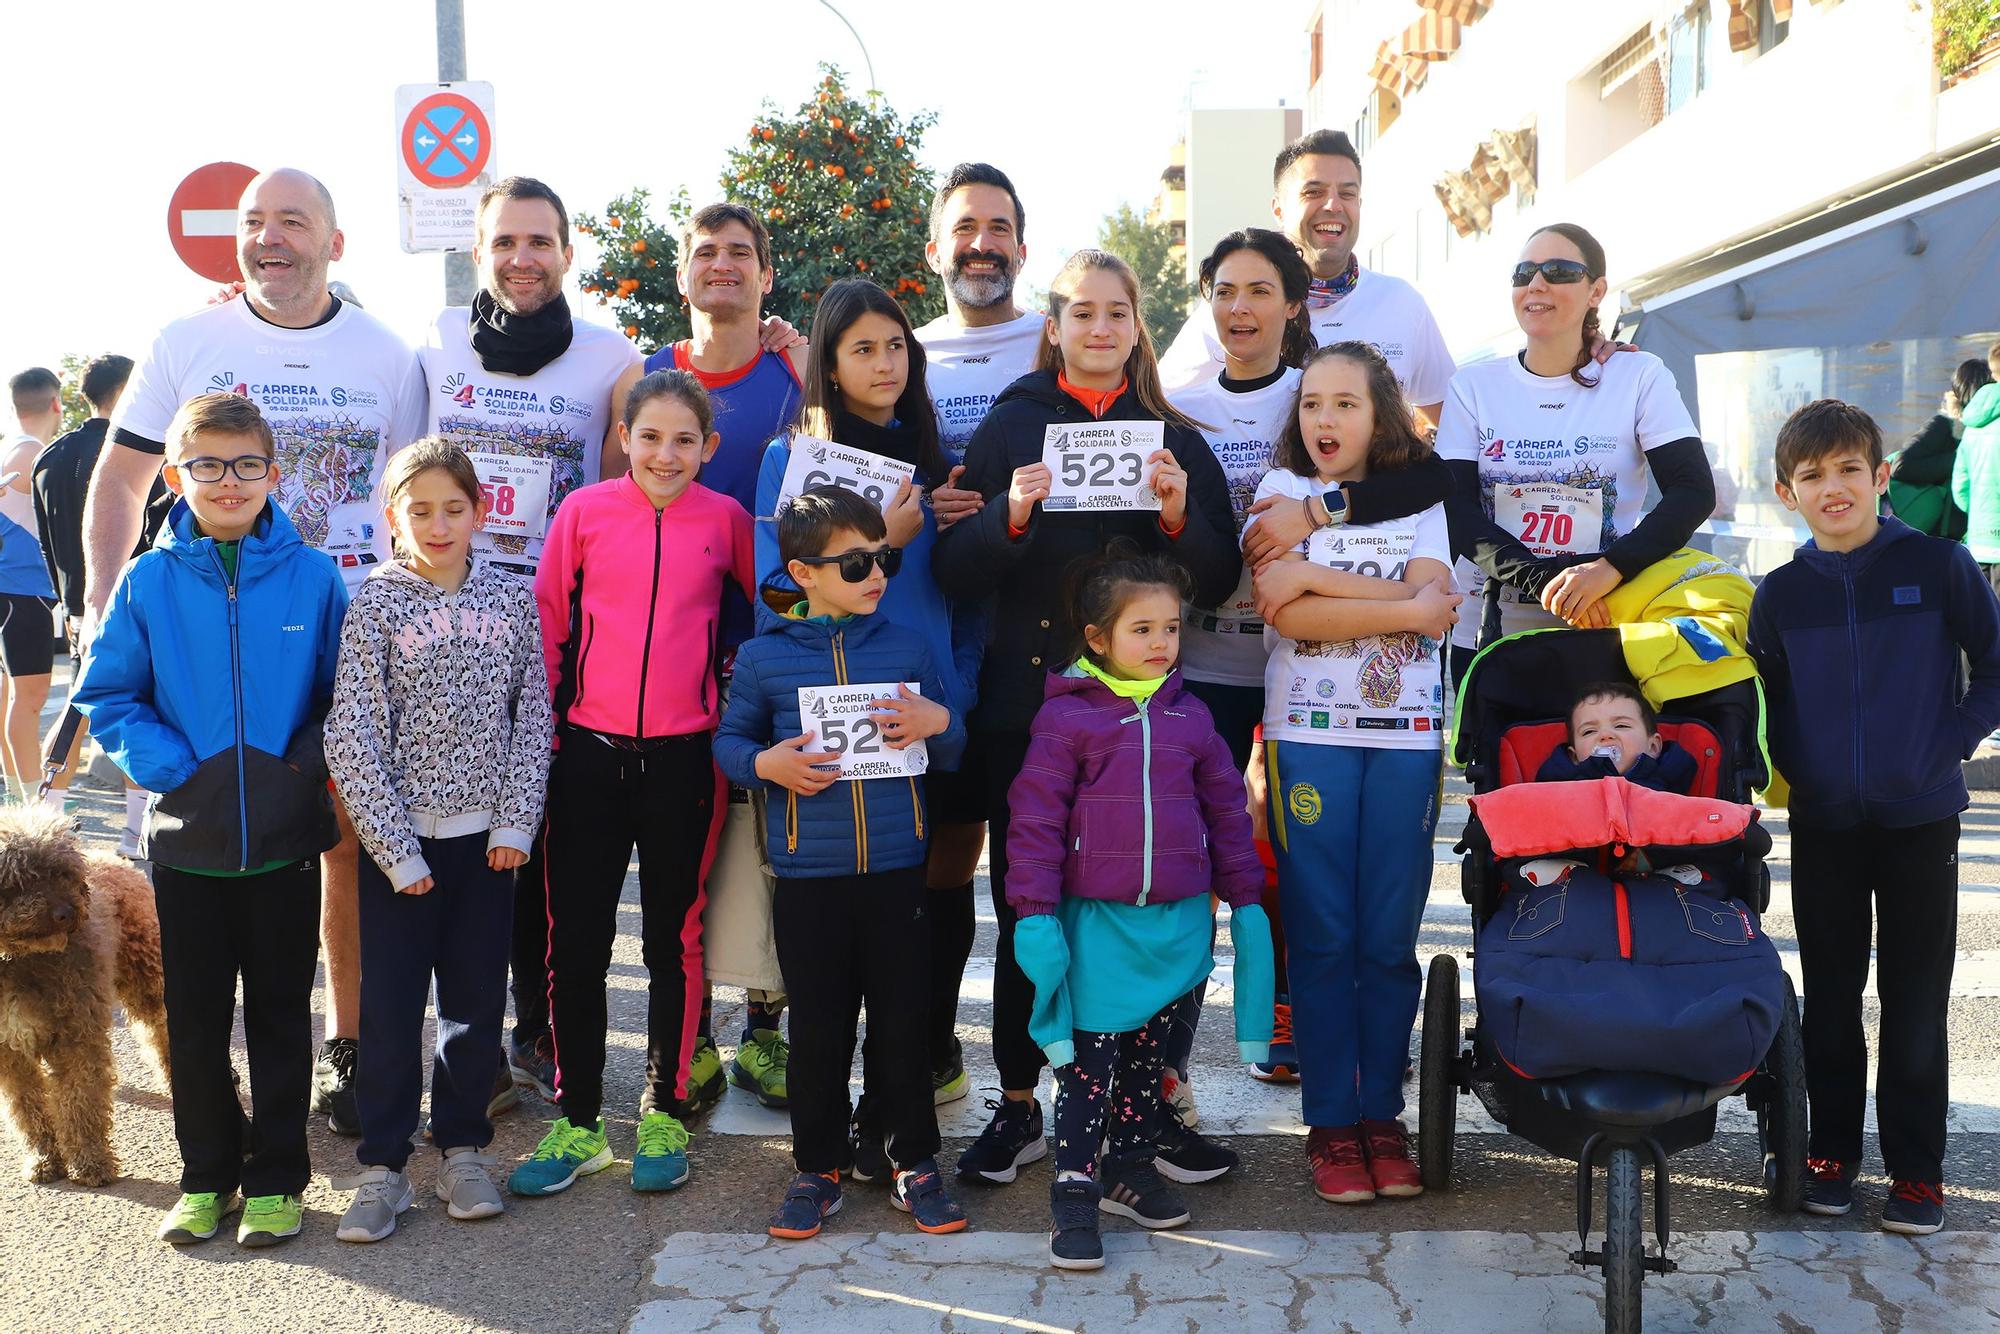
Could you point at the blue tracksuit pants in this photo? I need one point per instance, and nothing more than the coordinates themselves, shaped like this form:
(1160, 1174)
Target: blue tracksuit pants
(1352, 826)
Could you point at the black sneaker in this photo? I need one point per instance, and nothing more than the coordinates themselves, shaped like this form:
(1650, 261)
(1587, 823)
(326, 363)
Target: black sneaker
(1133, 1188)
(867, 1159)
(333, 1085)
(1011, 1140)
(1074, 1241)
(1915, 1208)
(1829, 1186)
(1184, 1156)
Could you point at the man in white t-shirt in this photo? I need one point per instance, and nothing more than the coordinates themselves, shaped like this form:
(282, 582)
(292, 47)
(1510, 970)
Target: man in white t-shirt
(1316, 197)
(341, 392)
(532, 395)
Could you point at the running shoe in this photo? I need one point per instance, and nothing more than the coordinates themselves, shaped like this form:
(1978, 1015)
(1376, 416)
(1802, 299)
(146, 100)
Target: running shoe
(950, 1084)
(1075, 1241)
(197, 1217)
(1134, 1189)
(533, 1064)
(1914, 1208)
(919, 1192)
(1390, 1166)
(379, 1195)
(268, 1220)
(333, 1085)
(1339, 1165)
(565, 1153)
(706, 1082)
(1281, 1066)
(759, 1066)
(1184, 1156)
(811, 1198)
(660, 1162)
(1011, 1140)
(1829, 1186)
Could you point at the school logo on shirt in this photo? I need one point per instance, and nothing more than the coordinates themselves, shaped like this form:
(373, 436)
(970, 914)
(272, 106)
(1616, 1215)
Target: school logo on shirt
(458, 389)
(1303, 802)
(1492, 447)
(227, 383)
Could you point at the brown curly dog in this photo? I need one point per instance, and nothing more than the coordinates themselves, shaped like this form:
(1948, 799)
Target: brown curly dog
(77, 934)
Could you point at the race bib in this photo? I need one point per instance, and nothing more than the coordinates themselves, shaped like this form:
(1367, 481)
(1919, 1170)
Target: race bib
(1102, 465)
(1550, 519)
(516, 487)
(816, 462)
(1389, 685)
(848, 731)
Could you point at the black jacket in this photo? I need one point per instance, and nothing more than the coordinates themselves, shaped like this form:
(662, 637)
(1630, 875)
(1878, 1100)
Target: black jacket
(976, 559)
(61, 481)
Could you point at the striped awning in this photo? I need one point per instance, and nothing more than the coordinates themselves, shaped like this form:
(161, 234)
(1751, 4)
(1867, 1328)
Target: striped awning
(1432, 37)
(1743, 24)
(1781, 10)
(1461, 11)
(1396, 72)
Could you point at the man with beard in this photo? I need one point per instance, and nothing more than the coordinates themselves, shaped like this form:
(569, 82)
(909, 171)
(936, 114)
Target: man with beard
(532, 395)
(341, 392)
(1316, 197)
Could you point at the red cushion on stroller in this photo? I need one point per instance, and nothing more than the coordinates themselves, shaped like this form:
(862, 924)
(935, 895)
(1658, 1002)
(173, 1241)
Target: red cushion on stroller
(1525, 747)
(1532, 819)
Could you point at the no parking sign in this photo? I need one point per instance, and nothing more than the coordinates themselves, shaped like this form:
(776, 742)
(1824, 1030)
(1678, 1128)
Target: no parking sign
(444, 159)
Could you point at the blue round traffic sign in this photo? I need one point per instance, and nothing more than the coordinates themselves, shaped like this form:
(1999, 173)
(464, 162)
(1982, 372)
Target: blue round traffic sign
(446, 141)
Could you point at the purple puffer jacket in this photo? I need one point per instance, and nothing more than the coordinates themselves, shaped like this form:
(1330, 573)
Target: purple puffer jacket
(1130, 802)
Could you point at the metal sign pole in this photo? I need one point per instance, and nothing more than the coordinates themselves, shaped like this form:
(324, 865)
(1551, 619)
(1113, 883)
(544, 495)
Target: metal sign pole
(460, 277)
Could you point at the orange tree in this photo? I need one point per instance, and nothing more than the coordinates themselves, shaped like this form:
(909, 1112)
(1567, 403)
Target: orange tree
(837, 183)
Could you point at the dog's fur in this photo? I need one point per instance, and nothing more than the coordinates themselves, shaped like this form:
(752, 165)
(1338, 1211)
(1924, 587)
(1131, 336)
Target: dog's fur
(78, 934)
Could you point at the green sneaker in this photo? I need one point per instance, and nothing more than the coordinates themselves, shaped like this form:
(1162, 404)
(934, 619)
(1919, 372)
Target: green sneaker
(705, 1082)
(760, 1067)
(660, 1162)
(197, 1217)
(950, 1084)
(268, 1220)
(565, 1153)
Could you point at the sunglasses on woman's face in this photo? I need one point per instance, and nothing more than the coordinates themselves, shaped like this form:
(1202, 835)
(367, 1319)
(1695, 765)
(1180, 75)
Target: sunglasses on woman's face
(1556, 271)
(854, 564)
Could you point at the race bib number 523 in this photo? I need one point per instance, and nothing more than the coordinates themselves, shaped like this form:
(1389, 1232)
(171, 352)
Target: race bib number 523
(849, 733)
(1102, 465)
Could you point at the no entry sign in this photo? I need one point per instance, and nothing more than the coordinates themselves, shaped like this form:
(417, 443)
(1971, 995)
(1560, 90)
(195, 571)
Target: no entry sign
(444, 160)
(201, 219)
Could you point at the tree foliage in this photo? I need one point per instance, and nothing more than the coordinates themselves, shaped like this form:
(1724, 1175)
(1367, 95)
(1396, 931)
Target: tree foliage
(75, 408)
(838, 184)
(1149, 248)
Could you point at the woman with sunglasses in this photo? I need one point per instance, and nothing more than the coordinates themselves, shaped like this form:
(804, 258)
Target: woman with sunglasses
(1550, 449)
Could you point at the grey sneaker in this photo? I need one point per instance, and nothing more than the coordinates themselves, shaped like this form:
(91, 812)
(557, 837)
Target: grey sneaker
(465, 1188)
(379, 1195)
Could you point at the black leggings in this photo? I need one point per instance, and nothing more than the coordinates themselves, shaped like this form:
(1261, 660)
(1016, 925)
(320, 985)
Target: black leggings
(1018, 1058)
(1111, 1091)
(668, 799)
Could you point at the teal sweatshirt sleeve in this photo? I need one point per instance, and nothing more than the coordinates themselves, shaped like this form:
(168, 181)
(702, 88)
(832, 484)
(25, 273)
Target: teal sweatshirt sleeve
(1256, 980)
(1043, 954)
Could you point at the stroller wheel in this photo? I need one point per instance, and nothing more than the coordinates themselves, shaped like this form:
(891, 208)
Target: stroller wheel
(1781, 1110)
(1624, 1242)
(1438, 1075)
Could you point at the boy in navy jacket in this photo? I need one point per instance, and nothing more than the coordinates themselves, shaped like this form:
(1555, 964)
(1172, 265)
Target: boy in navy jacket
(207, 684)
(1863, 640)
(848, 852)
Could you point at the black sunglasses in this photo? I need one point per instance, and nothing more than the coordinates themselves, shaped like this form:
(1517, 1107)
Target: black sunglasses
(854, 564)
(247, 467)
(1556, 271)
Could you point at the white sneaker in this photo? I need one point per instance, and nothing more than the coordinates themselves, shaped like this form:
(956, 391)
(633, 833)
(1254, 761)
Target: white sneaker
(465, 1188)
(128, 845)
(379, 1195)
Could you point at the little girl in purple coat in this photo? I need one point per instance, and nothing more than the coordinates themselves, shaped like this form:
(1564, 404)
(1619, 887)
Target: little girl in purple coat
(1128, 813)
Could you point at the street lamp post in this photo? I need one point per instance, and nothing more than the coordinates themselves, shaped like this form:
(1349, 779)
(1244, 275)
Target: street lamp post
(872, 85)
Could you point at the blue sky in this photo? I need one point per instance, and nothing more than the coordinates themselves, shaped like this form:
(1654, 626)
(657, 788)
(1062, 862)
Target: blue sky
(1078, 101)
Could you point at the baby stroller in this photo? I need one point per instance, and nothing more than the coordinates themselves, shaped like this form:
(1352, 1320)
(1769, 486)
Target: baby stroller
(1512, 712)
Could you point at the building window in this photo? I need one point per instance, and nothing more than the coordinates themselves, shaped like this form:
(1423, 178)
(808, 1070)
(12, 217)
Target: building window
(1687, 56)
(1770, 28)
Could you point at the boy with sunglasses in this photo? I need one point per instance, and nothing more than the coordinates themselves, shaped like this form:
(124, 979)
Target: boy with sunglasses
(207, 683)
(848, 852)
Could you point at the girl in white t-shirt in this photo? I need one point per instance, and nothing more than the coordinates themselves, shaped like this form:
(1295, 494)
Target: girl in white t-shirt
(1550, 451)
(1353, 718)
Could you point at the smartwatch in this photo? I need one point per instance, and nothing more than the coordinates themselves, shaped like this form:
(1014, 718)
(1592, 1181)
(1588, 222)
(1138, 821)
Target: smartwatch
(1334, 502)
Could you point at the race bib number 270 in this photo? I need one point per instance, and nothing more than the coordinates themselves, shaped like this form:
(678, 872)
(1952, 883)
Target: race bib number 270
(1102, 465)
(848, 732)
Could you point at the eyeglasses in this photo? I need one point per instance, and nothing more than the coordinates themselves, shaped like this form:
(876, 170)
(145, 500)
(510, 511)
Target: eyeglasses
(247, 467)
(1556, 271)
(854, 564)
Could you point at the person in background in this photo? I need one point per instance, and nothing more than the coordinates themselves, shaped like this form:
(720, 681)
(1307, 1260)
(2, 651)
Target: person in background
(1975, 472)
(1920, 473)
(27, 632)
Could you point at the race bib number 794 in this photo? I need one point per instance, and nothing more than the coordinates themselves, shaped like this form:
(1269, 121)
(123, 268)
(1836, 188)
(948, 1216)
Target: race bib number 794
(1102, 465)
(849, 733)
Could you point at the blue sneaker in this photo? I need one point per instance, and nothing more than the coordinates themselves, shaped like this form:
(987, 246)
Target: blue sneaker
(1282, 1065)
(919, 1192)
(1914, 1208)
(1829, 1186)
(660, 1162)
(1011, 1140)
(810, 1198)
(533, 1063)
(565, 1153)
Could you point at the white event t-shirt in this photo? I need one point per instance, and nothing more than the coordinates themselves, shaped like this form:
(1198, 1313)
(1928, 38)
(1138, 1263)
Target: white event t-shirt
(1385, 691)
(1382, 310)
(543, 432)
(1562, 467)
(966, 368)
(340, 397)
(1224, 645)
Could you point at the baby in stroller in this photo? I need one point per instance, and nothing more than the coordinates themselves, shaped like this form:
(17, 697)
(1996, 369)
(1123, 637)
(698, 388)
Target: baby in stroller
(1614, 733)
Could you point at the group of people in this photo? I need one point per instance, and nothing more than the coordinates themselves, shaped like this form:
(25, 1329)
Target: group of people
(532, 601)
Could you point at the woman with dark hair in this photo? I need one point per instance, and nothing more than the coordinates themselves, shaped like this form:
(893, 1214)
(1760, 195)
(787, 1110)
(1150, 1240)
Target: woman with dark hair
(1550, 450)
(1920, 472)
(864, 387)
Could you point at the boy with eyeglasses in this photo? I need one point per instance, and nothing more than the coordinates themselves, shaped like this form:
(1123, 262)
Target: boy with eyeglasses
(207, 683)
(848, 852)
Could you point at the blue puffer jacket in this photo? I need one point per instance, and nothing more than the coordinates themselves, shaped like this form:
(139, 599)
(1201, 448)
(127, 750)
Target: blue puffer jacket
(211, 693)
(854, 827)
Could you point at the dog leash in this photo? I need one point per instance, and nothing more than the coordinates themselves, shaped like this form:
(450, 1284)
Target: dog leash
(58, 757)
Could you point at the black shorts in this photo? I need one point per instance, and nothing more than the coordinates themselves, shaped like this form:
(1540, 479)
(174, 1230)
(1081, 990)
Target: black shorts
(27, 635)
(956, 796)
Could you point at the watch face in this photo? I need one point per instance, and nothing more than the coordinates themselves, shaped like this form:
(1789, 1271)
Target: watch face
(1336, 504)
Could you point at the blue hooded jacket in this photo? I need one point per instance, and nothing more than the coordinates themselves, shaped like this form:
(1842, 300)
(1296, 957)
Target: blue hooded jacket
(1860, 651)
(211, 692)
(855, 826)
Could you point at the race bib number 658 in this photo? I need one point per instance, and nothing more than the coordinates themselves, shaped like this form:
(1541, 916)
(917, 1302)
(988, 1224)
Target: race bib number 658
(815, 462)
(1101, 466)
